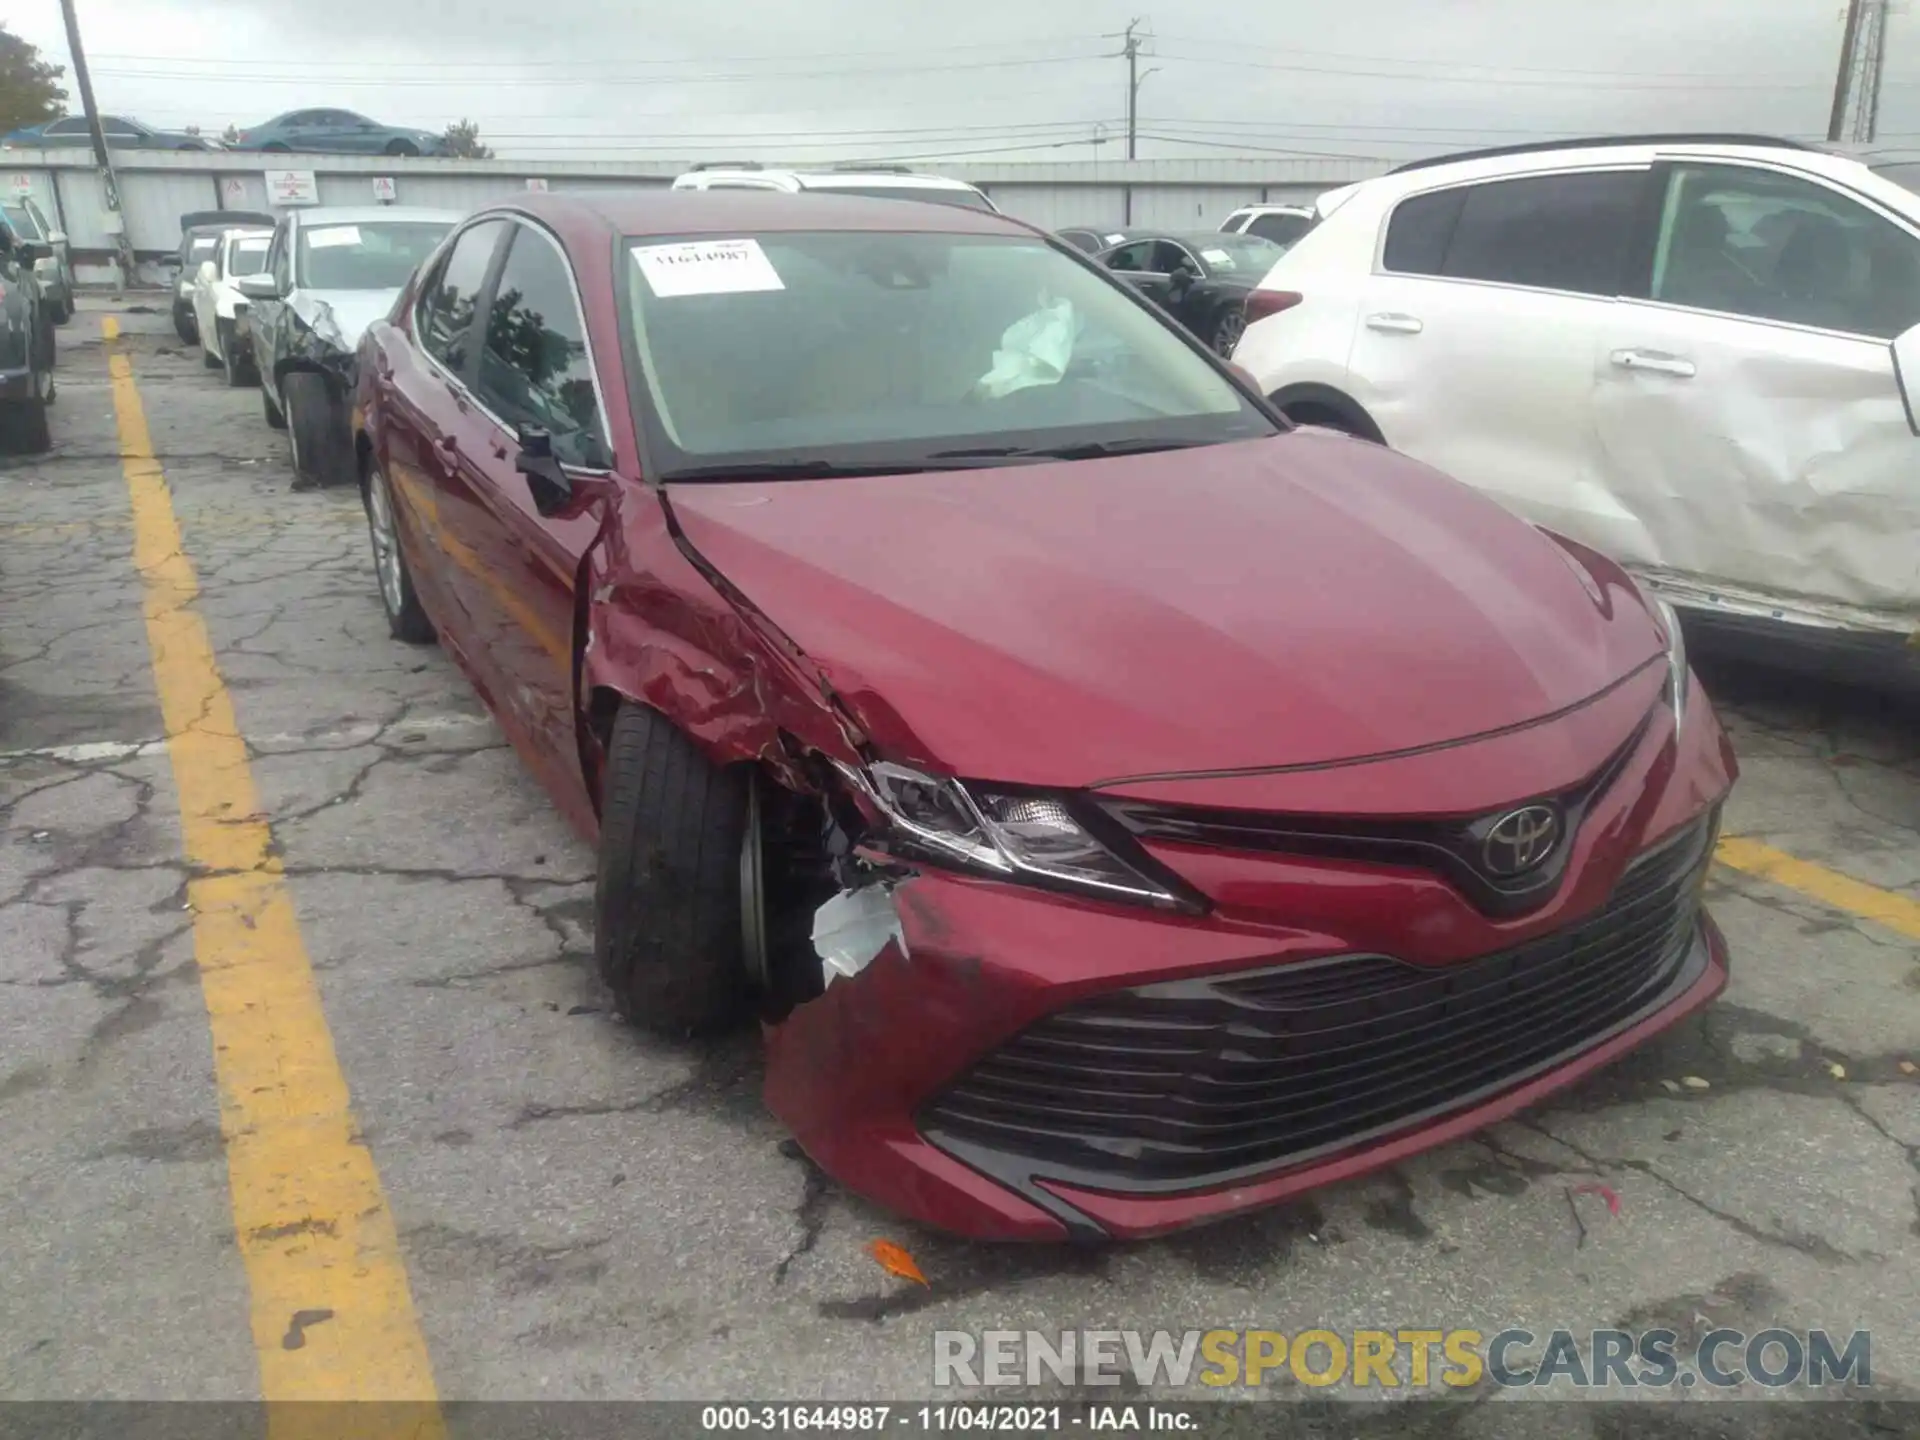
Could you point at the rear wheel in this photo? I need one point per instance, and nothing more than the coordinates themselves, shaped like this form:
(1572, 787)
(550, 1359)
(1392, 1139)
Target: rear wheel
(316, 430)
(23, 423)
(183, 324)
(405, 617)
(402, 147)
(268, 410)
(238, 368)
(276, 148)
(667, 909)
(1227, 331)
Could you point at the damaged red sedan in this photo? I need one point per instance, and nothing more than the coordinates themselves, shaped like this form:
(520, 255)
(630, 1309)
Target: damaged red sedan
(1121, 809)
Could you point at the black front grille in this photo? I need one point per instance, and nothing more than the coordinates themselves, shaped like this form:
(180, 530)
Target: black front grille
(1186, 1083)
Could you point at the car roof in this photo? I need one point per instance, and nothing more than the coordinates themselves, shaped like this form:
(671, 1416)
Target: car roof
(663, 211)
(1519, 160)
(369, 214)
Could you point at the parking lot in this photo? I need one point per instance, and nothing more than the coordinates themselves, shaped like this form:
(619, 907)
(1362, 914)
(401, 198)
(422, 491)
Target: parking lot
(568, 1210)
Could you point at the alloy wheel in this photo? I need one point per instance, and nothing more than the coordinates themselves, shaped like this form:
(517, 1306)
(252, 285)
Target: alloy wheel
(386, 543)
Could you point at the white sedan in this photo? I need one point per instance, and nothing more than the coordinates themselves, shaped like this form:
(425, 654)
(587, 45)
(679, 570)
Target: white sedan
(218, 309)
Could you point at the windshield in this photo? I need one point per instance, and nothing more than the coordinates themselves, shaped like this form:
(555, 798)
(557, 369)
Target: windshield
(856, 348)
(964, 199)
(367, 255)
(248, 257)
(21, 220)
(1237, 254)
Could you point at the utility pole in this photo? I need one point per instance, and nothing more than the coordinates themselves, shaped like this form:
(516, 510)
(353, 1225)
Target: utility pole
(1132, 53)
(1873, 64)
(1863, 58)
(1843, 81)
(103, 157)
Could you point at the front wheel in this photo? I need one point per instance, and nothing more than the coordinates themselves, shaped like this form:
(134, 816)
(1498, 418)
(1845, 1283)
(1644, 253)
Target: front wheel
(238, 371)
(315, 428)
(405, 618)
(667, 907)
(183, 323)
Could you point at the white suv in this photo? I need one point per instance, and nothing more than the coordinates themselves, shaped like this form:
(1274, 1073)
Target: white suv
(1700, 355)
(890, 182)
(1282, 224)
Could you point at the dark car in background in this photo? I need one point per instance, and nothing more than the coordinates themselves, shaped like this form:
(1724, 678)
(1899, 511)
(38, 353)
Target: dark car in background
(339, 132)
(122, 133)
(1086, 238)
(1066, 758)
(1202, 280)
(331, 272)
(200, 232)
(26, 347)
(54, 271)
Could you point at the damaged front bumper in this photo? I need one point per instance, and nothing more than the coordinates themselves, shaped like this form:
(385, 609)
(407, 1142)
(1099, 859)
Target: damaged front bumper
(1007, 1062)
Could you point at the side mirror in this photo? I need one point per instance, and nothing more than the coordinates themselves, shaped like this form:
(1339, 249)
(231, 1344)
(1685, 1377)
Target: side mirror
(258, 287)
(31, 252)
(556, 494)
(1906, 374)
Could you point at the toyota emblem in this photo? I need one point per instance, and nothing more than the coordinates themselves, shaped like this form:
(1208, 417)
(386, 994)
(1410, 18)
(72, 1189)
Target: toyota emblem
(1520, 840)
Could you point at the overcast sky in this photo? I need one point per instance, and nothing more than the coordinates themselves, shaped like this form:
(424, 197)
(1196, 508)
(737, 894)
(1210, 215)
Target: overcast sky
(986, 79)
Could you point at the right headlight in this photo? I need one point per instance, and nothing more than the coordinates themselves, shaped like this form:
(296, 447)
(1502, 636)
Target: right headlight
(1678, 674)
(1025, 835)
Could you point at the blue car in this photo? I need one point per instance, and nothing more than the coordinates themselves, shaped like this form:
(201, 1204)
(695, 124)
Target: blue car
(121, 131)
(338, 132)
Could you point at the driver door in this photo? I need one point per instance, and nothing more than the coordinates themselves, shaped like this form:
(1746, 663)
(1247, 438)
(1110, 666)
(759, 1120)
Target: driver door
(1135, 264)
(535, 369)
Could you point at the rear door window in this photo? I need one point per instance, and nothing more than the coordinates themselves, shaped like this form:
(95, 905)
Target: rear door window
(1547, 232)
(449, 300)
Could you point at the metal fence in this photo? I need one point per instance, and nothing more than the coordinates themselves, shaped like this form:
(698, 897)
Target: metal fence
(157, 187)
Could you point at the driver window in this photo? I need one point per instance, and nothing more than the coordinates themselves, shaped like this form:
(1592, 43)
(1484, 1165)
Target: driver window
(1170, 259)
(1137, 256)
(1776, 247)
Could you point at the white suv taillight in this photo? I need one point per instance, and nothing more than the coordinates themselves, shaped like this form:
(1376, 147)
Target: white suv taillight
(1262, 303)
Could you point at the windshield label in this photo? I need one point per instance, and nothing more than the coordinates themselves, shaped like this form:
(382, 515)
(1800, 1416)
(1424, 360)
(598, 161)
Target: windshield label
(333, 235)
(707, 267)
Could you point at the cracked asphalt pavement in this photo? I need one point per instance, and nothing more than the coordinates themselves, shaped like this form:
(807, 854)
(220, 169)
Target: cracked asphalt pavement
(585, 1213)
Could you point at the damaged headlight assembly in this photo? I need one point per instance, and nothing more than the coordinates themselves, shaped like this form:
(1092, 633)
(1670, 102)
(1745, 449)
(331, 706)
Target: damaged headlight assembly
(1019, 835)
(1678, 675)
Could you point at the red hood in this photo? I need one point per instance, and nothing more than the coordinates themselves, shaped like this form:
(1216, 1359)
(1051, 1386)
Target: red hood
(1274, 602)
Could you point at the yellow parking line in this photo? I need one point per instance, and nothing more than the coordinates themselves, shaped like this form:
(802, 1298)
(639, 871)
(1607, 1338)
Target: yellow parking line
(332, 1313)
(1897, 912)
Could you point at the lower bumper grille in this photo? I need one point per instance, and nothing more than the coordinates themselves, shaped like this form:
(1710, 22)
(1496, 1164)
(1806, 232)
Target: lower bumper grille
(1186, 1083)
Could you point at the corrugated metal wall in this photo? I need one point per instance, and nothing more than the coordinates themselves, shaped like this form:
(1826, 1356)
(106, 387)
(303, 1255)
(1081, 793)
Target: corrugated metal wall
(158, 187)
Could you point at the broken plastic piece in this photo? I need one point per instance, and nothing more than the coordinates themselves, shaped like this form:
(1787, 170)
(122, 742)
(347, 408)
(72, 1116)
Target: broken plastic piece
(1605, 1192)
(896, 1261)
(852, 928)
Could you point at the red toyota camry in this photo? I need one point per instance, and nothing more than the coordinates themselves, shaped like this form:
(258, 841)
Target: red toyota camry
(1121, 809)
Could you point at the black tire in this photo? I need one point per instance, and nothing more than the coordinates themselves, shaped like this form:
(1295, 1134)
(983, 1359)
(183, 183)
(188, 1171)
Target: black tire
(23, 423)
(317, 430)
(276, 148)
(268, 410)
(238, 368)
(63, 312)
(183, 323)
(402, 147)
(667, 933)
(1228, 326)
(406, 619)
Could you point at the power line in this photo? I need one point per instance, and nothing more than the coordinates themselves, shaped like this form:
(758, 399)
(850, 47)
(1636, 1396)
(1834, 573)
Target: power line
(1480, 80)
(1503, 69)
(233, 77)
